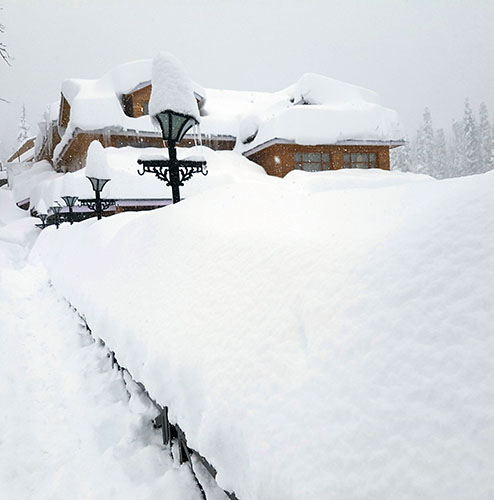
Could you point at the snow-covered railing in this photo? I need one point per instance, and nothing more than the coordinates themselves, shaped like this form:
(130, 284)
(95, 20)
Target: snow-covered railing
(174, 438)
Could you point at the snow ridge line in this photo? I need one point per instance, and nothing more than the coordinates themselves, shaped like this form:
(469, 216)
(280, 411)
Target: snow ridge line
(170, 432)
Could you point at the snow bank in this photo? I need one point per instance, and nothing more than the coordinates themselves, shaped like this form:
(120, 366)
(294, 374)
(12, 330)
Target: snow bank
(69, 423)
(329, 341)
(172, 89)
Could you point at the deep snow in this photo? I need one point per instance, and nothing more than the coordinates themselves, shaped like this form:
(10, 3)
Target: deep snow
(323, 336)
(69, 425)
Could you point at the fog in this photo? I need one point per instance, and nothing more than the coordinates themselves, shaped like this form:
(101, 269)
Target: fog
(413, 53)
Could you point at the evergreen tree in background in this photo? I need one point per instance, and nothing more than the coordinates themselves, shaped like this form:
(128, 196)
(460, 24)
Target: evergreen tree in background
(467, 150)
(23, 133)
(441, 168)
(424, 144)
(486, 140)
(401, 158)
(472, 145)
(458, 149)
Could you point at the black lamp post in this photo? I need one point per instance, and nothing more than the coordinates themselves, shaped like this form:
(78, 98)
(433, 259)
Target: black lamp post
(42, 218)
(70, 201)
(56, 212)
(98, 185)
(174, 172)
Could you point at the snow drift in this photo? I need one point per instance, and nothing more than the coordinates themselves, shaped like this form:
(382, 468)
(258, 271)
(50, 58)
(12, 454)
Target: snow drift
(322, 336)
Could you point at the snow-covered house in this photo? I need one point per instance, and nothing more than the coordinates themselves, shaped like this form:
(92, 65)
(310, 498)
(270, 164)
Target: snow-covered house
(315, 124)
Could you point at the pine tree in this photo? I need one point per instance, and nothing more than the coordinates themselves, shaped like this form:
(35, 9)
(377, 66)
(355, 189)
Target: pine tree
(486, 140)
(441, 168)
(472, 149)
(424, 145)
(458, 149)
(23, 133)
(401, 158)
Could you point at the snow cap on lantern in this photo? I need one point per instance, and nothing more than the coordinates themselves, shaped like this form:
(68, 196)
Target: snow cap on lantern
(96, 162)
(172, 106)
(41, 207)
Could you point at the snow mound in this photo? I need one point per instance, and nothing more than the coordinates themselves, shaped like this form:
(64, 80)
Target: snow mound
(331, 342)
(172, 89)
(312, 88)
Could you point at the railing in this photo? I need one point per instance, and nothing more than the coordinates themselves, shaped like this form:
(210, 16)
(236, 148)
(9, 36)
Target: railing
(171, 434)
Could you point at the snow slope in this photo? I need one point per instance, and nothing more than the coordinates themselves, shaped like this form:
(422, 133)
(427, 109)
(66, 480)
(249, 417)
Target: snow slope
(69, 425)
(321, 336)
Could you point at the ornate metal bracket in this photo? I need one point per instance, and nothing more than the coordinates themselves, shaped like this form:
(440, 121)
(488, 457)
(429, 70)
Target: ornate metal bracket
(92, 204)
(161, 169)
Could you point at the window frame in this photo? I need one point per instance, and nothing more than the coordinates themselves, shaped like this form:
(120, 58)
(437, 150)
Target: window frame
(364, 160)
(304, 160)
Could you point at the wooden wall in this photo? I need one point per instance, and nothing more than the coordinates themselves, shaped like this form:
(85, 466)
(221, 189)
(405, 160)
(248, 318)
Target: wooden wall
(278, 159)
(64, 116)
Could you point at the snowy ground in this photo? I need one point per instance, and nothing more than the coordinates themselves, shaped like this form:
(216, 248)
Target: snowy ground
(326, 336)
(70, 427)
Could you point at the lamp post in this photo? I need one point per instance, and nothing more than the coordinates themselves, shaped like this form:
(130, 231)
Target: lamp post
(174, 172)
(70, 201)
(56, 212)
(42, 218)
(98, 185)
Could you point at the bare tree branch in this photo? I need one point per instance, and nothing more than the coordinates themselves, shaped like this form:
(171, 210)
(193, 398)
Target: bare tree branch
(4, 54)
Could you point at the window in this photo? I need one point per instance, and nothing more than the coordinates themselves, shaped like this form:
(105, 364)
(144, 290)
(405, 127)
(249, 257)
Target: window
(360, 160)
(312, 162)
(145, 108)
(127, 105)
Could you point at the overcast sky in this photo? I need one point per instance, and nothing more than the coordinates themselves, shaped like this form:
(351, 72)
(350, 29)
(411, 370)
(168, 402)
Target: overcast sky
(413, 53)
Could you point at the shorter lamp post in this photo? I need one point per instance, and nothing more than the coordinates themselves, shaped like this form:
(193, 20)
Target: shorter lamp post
(56, 212)
(174, 172)
(42, 218)
(97, 205)
(70, 201)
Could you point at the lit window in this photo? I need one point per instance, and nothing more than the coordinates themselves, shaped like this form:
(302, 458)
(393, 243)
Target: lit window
(312, 162)
(360, 160)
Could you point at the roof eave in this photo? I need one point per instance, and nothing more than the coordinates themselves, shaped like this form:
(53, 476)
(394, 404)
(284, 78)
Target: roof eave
(349, 142)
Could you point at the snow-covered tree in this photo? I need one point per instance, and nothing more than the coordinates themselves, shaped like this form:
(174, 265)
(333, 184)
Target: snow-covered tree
(424, 145)
(486, 140)
(23, 133)
(401, 158)
(458, 149)
(441, 168)
(472, 147)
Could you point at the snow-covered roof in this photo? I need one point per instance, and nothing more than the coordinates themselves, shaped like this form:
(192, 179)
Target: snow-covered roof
(314, 110)
(24, 152)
